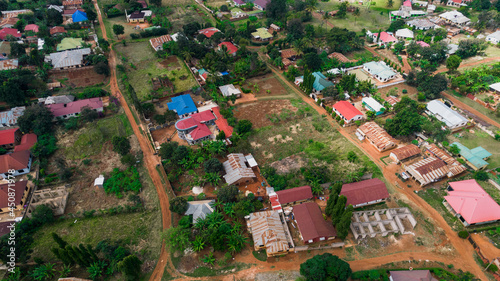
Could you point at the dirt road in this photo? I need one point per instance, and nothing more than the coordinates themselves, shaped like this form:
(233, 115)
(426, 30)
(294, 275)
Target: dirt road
(462, 105)
(150, 160)
(464, 249)
(406, 65)
(471, 64)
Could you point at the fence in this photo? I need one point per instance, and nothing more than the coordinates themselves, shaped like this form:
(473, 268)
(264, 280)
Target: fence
(321, 247)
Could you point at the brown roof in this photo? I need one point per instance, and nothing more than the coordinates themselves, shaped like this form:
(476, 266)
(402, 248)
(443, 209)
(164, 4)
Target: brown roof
(9, 21)
(27, 142)
(406, 151)
(380, 138)
(412, 275)
(72, 2)
(158, 41)
(294, 194)
(392, 100)
(364, 191)
(16, 161)
(18, 188)
(311, 223)
(268, 230)
(441, 154)
(428, 170)
(288, 53)
(57, 29)
(340, 57)
(9, 64)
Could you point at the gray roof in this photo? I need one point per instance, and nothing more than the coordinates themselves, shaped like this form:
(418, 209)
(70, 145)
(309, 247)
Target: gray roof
(448, 115)
(454, 16)
(67, 58)
(421, 23)
(452, 48)
(405, 32)
(495, 87)
(236, 168)
(59, 99)
(200, 209)
(495, 35)
(412, 275)
(380, 69)
(229, 90)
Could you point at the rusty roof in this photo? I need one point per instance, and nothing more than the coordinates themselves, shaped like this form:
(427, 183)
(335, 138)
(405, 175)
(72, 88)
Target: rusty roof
(9, 64)
(428, 170)
(406, 151)
(158, 41)
(380, 138)
(268, 231)
(340, 57)
(392, 100)
(441, 154)
(236, 168)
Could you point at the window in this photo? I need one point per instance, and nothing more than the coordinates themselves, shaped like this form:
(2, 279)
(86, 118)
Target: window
(309, 241)
(322, 239)
(20, 171)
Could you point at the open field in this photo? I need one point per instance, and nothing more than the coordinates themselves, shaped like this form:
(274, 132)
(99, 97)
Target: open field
(77, 77)
(90, 140)
(264, 113)
(476, 137)
(488, 112)
(129, 27)
(435, 197)
(267, 85)
(141, 64)
(183, 14)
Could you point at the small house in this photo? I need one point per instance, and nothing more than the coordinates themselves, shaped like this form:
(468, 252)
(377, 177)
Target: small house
(57, 30)
(376, 135)
(363, 193)
(404, 34)
(294, 196)
(347, 111)
(411, 275)
(136, 17)
(9, 118)
(10, 138)
(99, 182)
(405, 153)
(68, 59)
(230, 47)
(79, 16)
(6, 32)
(69, 43)
(494, 37)
(380, 71)
(27, 142)
(183, 105)
(15, 164)
(238, 169)
(311, 224)
(261, 34)
(373, 105)
(157, 43)
(200, 209)
(384, 39)
(475, 158)
(453, 120)
(261, 4)
(208, 32)
(73, 109)
(270, 232)
(194, 128)
(230, 90)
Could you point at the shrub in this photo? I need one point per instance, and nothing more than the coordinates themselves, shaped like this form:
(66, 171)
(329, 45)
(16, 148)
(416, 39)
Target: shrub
(463, 234)
(405, 91)
(178, 205)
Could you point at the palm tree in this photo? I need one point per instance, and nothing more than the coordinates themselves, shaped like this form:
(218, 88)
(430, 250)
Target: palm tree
(311, 5)
(188, 55)
(236, 227)
(237, 242)
(210, 259)
(356, 14)
(198, 244)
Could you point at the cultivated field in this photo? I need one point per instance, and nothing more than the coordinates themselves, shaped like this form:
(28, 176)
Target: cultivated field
(77, 77)
(266, 85)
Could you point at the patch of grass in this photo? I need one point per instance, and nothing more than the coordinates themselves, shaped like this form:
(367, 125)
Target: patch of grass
(435, 197)
(203, 271)
(488, 112)
(132, 229)
(92, 137)
(260, 255)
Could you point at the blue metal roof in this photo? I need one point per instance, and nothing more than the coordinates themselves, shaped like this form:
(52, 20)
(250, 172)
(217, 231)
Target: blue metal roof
(320, 81)
(79, 16)
(474, 156)
(182, 105)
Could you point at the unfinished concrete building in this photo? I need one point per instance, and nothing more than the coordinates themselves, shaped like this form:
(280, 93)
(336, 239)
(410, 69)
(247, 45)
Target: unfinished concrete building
(382, 222)
(54, 198)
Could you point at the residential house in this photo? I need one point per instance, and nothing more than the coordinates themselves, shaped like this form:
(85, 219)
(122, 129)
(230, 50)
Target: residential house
(57, 30)
(423, 44)
(273, 27)
(320, 83)
(454, 18)
(135, 17)
(194, 128)
(239, 3)
(405, 11)
(10, 138)
(347, 111)
(68, 13)
(60, 9)
(270, 232)
(456, 3)
(405, 153)
(431, 8)
(468, 201)
(453, 120)
(363, 193)
(68, 59)
(69, 43)
(455, 168)
(312, 226)
(377, 136)
(230, 47)
(238, 13)
(21, 190)
(421, 24)
(72, 4)
(200, 209)
(15, 164)
(373, 105)
(8, 22)
(73, 109)
(9, 118)
(261, 4)
(475, 158)
(27, 142)
(203, 74)
(411, 275)
(339, 56)
(15, 13)
(6, 32)
(56, 99)
(9, 64)
(183, 105)
(288, 57)
(31, 27)
(392, 100)
(379, 70)
(261, 34)
(79, 16)
(452, 49)
(222, 124)
(495, 88)
(494, 37)
(384, 40)
(294, 196)
(428, 170)
(238, 169)
(230, 90)
(404, 34)
(208, 32)
(157, 43)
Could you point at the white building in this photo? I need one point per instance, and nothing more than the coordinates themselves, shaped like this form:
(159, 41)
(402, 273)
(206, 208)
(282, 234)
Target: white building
(379, 70)
(403, 34)
(494, 37)
(230, 90)
(455, 17)
(450, 117)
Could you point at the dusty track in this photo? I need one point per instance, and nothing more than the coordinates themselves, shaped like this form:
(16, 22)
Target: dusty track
(462, 105)
(470, 64)
(150, 160)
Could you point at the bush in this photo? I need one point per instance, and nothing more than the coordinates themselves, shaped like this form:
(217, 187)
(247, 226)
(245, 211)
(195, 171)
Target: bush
(481, 176)
(178, 205)
(123, 181)
(405, 91)
(463, 234)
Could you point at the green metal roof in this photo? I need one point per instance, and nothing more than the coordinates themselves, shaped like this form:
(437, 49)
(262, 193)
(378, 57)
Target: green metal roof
(262, 33)
(474, 156)
(70, 43)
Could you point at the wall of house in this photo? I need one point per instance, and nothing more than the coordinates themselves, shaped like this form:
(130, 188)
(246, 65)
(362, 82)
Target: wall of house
(369, 203)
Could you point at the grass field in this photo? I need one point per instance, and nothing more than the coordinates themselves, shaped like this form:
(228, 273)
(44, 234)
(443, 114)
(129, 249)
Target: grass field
(479, 138)
(435, 197)
(184, 14)
(91, 138)
(142, 65)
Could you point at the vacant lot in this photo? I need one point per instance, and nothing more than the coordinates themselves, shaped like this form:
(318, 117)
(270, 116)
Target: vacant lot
(184, 13)
(77, 77)
(476, 137)
(142, 65)
(266, 85)
(265, 112)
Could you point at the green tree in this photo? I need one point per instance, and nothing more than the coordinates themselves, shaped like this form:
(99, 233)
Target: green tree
(227, 194)
(213, 165)
(130, 267)
(177, 238)
(62, 244)
(481, 175)
(121, 145)
(345, 223)
(118, 29)
(167, 149)
(37, 119)
(243, 126)
(45, 146)
(325, 267)
(407, 119)
(454, 149)
(390, 3)
(453, 62)
(178, 205)
(339, 209)
(330, 204)
(88, 114)
(342, 11)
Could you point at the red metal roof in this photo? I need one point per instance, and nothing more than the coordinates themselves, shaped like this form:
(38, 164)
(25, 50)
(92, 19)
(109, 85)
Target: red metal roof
(195, 120)
(57, 29)
(275, 204)
(18, 188)
(311, 223)
(8, 137)
(407, 3)
(364, 191)
(231, 49)
(31, 27)
(200, 132)
(385, 37)
(9, 31)
(294, 194)
(470, 200)
(208, 31)
(16, 161)
(222, 124)
(60, 109)
(347, 109)
(27, 142)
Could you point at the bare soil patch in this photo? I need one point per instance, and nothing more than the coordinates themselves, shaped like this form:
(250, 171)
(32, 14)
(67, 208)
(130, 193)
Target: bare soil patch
(258, 112)
(266, 83)
(77, 77)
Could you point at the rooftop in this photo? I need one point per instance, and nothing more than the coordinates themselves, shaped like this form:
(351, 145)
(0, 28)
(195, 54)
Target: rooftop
(405, 32)
(380, 138)
(69, 43)
(412, 275)
(262, 33)
(67, 58)
(222, 123)
(27, 142)
(385, 37)
(373, 104)
(8, 136)
(347, 109)
(311, 223)
(231, 48)
(182, 104)
(17, 188)
(79, 16)
(236, 168)
(320, 82)
(406, 151)
(208, 31)
(200, 209)
(474, 156)
(268, 230)
(60, 109)
(196, 123)
(380, 69)
(294, 194)
(14, 161)
(158, 41)
(449, 116)
(428, 170)
(364, 191)
(4, 32)
(10, 117)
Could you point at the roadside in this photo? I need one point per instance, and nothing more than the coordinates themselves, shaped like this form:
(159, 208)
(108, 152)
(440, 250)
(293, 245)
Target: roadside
(462, 105)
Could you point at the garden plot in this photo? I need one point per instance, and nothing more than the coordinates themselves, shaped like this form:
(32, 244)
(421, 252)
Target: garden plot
(266, 85)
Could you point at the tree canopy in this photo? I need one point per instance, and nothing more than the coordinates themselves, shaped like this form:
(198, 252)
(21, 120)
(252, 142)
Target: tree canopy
(406, 121)
(325, 267)
(37, 119)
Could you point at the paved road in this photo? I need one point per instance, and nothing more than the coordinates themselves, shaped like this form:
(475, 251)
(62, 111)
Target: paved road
(150, 160)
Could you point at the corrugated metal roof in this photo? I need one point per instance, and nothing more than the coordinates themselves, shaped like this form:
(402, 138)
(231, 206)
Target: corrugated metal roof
(446, 114)
(9, 64)
(236, 168)
(268, 231)
(67, 58)
(406, 152)
(380, 138)
(9, 118)
(428, 170)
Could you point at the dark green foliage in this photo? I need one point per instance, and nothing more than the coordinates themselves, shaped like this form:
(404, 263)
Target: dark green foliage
(128, 159)
(344, 223)
(342, 40)
(481, 175)
(213, 165)
(243, 126)
(470, 47)
(62, 244)
(45, 146)
(167, 149)
(148, 109)
(338, 209)
(313, 61)
(395, 25)
(227, 194)
(92, 93)
(246, 206)
(307, 84)
(36, 119)
(325, 267)
(407, 119)
(118, 29)
(121, 145)
(278, 182)
(463, 234)
(178, 205)
(88, 114)
(330, 204)
(17, 50)
(453, 62)
(130, 267)
(276, 9)
(102, 68)
(371, 275)
(123, 181)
